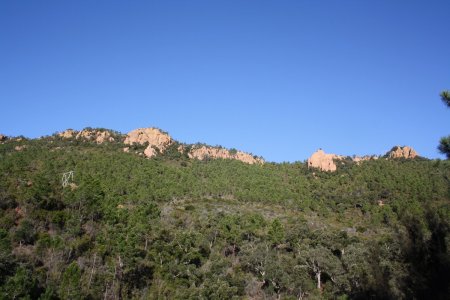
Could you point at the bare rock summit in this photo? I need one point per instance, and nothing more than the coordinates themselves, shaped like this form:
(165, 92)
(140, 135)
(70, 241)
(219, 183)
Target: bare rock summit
(323, 161)
(155, 138)
(402, 152)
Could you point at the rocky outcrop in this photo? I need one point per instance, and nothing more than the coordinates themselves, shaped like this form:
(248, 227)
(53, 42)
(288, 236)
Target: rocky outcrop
(206, 152)
(157, 141)
(154, 137)
(359, 159)
(20, 148)
(95, 135)
(67, 134)
(402, 152)
(98, 136)
(3, 138)
(323, 161)
(327, 162)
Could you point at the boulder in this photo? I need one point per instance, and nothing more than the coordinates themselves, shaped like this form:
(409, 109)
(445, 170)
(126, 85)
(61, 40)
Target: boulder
(20, 148)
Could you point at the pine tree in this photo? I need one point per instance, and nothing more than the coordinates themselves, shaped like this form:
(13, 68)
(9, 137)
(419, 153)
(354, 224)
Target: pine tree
(444, 145)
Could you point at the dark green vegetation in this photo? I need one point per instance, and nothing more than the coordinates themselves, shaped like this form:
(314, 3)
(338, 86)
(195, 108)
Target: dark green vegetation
(173, 228)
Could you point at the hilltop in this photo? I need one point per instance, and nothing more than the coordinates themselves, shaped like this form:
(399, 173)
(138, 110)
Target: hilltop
(145, 216)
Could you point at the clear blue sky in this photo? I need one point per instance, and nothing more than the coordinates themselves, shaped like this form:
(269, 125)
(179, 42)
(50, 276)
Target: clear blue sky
(275, 78)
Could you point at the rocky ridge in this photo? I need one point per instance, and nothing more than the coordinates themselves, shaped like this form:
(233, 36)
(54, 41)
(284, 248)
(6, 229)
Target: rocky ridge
(327, 162)
(99, 136)
(158, 141)
(205, 152)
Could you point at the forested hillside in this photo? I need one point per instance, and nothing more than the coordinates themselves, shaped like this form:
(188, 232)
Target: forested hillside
(171, 227)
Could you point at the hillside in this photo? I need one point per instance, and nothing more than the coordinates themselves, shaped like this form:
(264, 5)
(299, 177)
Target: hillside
(144, 218)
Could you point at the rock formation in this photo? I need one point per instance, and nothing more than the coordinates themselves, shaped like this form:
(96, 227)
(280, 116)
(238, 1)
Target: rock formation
(323, 161)
(359, 159)
(157, 140)
(402, 152)
(204, 152)
(99, 136)
(153, 136)
(95, 135)
(327, 162)
(20, 148)
(67, 134)
(3, 137)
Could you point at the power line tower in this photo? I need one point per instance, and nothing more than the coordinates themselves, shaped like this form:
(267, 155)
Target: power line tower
(66, 177)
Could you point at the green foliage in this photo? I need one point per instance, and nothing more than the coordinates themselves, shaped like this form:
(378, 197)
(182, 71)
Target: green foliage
(445, 96)
(276, 232)
(25, 233)
(70, 287)
(20, 285)
(444, 146)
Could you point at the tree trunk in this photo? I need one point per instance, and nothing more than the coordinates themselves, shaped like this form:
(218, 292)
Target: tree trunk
(318, 280)
(119, 278)
(92, 271)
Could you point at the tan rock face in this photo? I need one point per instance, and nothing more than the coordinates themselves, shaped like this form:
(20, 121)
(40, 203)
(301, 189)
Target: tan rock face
(326, 162)
(157, 140)
(3, 137)
(20, 148)
(90, 135)
(323, 161)
(150, 151)
(67, 134)
(94, 135)
(204, 152)
(359, 159)
(153, 136)
(402, 152)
